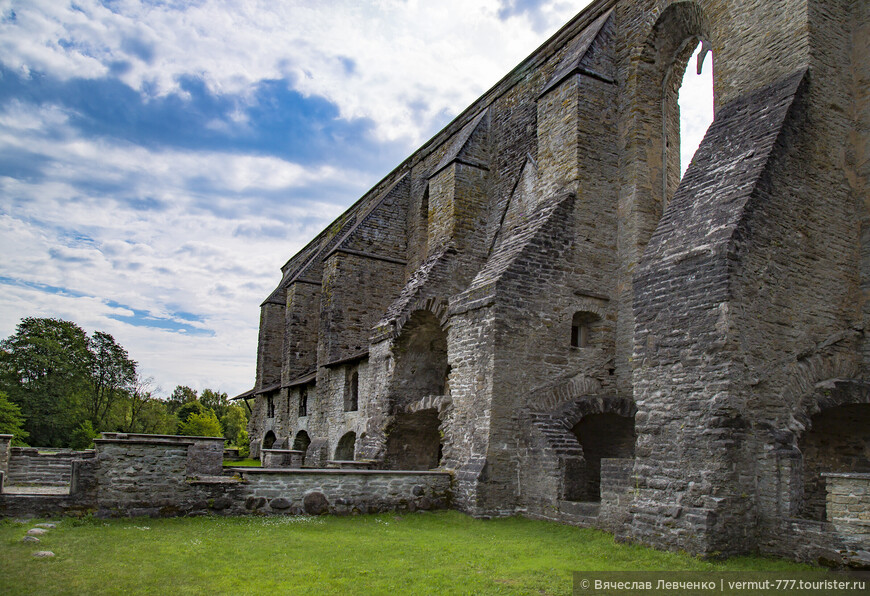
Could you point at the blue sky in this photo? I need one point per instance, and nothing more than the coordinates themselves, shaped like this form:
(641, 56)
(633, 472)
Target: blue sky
(160, 160)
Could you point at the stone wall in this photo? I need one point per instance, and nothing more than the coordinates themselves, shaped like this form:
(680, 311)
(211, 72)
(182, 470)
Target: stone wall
(161, 476)
(848, 506)
(50, 467)
(5, 445)
(343, 491)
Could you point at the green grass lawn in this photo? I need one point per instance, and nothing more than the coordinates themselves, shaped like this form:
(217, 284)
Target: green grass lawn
(242, 463)
(416, 553)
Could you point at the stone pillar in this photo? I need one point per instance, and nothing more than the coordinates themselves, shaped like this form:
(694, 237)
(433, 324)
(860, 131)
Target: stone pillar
(5, 442)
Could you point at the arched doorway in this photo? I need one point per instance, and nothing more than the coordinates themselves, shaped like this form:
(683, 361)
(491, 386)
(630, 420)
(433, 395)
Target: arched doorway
(838, 440)
(302, 441)
(344, 451)
(601, 436)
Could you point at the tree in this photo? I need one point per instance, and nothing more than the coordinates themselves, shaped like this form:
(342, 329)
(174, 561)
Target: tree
(233, 423)
(201, 424)
(215, 401)
(190, 408)
(11, 421)
(45, 369)
(113, 377)
(181, 395)
(83, 436)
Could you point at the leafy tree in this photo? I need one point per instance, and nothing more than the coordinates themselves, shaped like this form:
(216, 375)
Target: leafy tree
(201, 424)
(190, 408)
(215, 401)
(83, 436)
(154, 418)
(11, 421)
(243, 444)
(113, 377)
(233, 423)
(45, 368)
(181, 395)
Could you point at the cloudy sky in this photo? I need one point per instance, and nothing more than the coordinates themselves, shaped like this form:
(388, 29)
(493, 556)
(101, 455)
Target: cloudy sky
(161, 159)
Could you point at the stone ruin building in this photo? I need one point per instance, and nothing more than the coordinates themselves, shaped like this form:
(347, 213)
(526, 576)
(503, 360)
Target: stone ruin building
(537, 302)
(535, 314)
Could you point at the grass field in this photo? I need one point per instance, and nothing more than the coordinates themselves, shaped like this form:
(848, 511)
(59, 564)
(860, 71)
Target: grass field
(242, 463)
(418, 553)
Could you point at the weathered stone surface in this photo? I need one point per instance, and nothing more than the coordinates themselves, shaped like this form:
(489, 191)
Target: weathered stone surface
(315, 503)
(42, 554)
(280, 504)
(36, 532)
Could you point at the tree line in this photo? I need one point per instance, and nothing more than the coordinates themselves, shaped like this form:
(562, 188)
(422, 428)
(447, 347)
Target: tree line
(60, 387)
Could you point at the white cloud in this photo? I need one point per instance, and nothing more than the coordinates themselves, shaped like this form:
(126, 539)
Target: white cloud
(402, 63)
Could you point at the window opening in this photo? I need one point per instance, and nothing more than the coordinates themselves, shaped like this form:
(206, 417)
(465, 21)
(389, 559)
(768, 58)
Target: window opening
(303, 401)
(581, 328)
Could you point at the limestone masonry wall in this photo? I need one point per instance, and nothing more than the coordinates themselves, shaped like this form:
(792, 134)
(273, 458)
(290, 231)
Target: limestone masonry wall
(540, 302)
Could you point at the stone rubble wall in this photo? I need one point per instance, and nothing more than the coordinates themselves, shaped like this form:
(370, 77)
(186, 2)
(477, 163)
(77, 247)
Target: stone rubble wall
(48, 467)
(163, 476)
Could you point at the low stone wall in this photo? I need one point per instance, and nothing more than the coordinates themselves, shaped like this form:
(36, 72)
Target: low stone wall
(343, 491)
(49, 467)
(164, 476)
(204, 458)
(282, 458)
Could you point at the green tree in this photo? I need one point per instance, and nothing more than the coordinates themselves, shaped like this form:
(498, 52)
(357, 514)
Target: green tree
(113, 377)
(83, 436)
(190, 408)
(11, 421)
(45, 368)
(215, 401)
(243, 444)
(233, 423)
(204, 424)
(181, 395)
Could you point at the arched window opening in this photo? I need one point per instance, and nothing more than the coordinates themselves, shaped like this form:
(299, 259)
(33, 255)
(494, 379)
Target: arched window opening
(351, 393)
(345, 449)
(303, 401)
(695, 103)
(584, 325)
(838, 441)
(601, 436)
(270, 406)
(665, 59)
(302, 441)
(269, 440)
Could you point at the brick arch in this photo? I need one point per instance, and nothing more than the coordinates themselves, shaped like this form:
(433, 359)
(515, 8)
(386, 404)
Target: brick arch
(556, 425)
(828, 394)
(432, 304)
(572, 412)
